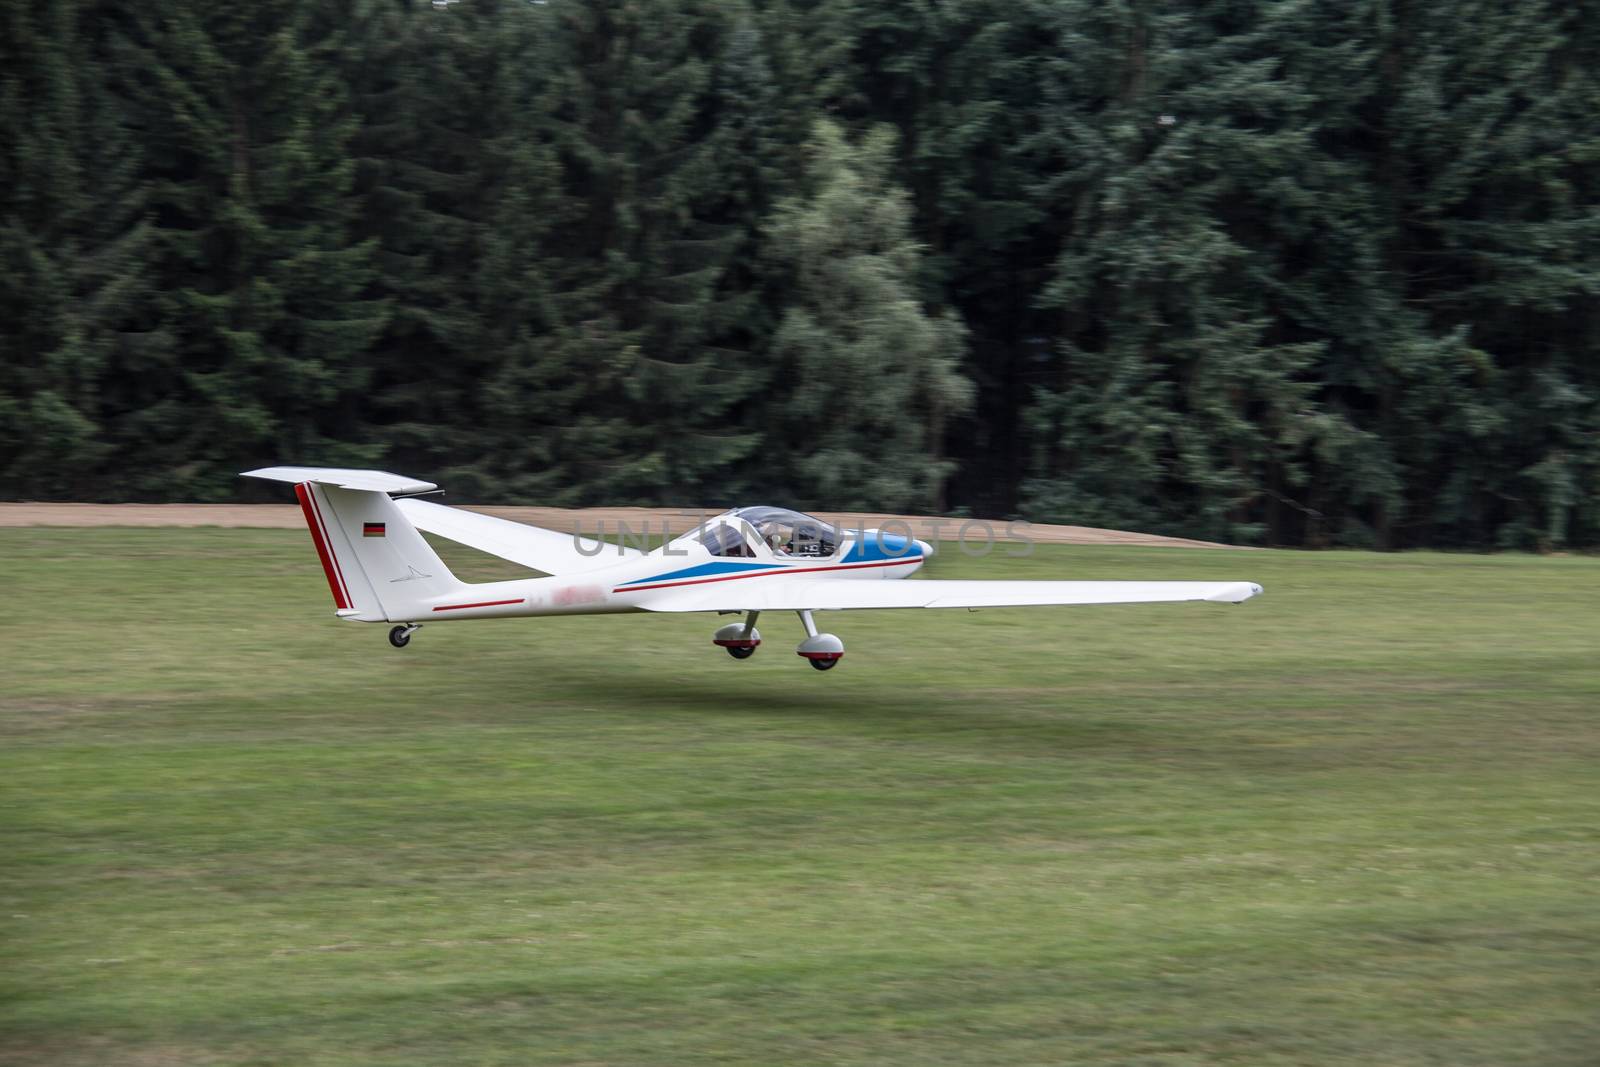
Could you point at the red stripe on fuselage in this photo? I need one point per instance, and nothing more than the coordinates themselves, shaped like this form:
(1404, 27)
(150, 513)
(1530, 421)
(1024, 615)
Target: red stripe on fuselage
(768, 574)
(485, 604)
(308, 507)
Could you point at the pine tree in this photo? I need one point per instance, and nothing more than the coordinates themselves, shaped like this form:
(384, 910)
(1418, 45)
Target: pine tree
(259, 284)
(528, 394)
(1489, 189)
(1177, 402)
(641, 352)
(1440, 254)
(442, 95)
(71, 237)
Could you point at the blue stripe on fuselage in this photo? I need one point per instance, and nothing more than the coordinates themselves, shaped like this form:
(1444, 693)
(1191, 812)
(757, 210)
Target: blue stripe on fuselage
(703, 570)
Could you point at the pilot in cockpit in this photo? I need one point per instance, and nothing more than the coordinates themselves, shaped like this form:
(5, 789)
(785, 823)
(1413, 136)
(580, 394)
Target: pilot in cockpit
(791, 533)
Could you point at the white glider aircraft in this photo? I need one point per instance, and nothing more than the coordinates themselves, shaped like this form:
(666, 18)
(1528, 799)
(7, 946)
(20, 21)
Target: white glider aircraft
(743, 562)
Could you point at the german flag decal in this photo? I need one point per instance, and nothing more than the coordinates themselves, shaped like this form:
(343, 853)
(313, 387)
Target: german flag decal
(372, 529)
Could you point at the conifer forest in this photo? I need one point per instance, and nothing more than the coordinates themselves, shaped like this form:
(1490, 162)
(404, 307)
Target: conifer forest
(1279, 272)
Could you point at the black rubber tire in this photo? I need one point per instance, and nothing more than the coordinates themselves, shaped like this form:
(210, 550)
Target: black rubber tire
(824, 664)
(399, 638)
(740, 652)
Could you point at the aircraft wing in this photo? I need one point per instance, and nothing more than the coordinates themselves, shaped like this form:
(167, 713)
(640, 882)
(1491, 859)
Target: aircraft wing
(800, 594)
(550, 551)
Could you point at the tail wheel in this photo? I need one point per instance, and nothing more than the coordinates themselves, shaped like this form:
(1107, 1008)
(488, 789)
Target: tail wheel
(400, 636)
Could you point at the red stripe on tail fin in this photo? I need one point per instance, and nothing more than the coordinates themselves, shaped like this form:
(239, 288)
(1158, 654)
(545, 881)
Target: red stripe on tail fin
(308, 507)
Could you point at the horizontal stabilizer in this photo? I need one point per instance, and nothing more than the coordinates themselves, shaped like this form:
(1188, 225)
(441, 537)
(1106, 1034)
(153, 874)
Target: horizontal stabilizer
(801, 594)
(344, 478)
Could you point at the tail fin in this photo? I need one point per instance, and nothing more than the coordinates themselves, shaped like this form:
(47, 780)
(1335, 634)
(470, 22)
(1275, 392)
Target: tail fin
(379, 567)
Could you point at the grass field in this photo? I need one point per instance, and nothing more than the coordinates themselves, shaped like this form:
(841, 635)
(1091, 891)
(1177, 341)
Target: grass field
(1352, 822)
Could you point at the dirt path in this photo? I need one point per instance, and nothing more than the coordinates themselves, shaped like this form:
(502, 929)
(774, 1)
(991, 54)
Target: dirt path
(586, 520)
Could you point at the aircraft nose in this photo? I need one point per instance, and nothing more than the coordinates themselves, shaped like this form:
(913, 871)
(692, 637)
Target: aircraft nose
(924, 547)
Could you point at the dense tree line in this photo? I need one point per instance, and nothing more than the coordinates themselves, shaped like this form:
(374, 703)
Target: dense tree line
(1264, 270)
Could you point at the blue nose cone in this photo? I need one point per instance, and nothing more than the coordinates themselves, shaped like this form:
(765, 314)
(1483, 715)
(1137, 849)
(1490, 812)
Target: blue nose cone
(877, 545)
(894, 545)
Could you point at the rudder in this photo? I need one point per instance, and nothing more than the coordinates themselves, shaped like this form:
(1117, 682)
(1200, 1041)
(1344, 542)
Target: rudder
(379, 567)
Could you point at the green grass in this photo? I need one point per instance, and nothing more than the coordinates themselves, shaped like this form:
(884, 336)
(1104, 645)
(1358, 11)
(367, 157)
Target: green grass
(1352, 822)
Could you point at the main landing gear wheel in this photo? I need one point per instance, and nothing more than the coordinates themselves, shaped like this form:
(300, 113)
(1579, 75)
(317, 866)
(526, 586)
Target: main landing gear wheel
(400, 636)
(821, 650)
(739, 638)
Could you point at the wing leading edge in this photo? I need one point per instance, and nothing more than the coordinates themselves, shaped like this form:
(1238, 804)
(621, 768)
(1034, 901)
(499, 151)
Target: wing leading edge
(795, 594)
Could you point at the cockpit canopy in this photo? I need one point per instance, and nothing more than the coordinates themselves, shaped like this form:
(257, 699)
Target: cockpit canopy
(782, 531)
(790, 533)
